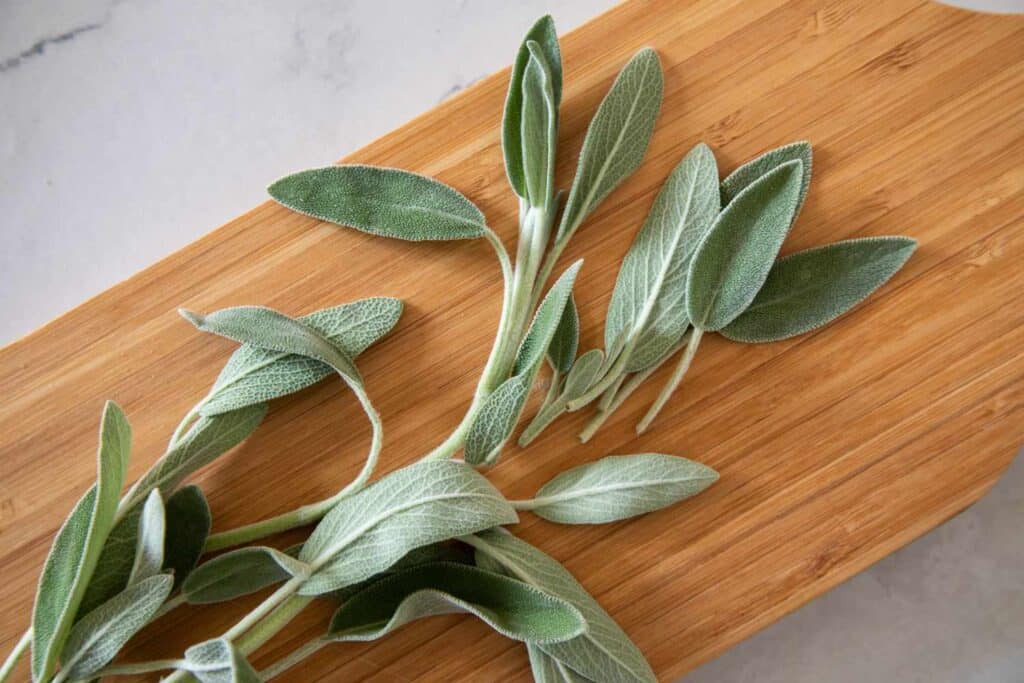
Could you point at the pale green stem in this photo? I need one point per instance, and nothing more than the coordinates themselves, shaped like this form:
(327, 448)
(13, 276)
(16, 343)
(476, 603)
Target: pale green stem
(545, 416)
(140, 667)
(286, 590)
(272, 624)
(20, 648)
(296, 656)
(609, 395)
(611, 377)
(673, 382)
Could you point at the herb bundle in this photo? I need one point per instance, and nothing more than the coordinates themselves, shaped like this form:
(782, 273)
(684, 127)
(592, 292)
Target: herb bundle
(429, 538)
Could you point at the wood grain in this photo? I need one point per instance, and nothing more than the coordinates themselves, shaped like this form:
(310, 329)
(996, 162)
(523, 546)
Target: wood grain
(835, 448)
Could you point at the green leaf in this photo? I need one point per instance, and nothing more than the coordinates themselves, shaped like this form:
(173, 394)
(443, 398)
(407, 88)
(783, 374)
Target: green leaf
(649, 300)
(549, 670)
(115, 563)
(240, 572)
(619, 487)
(436, 552)
(381, 201)
(563, 347)
(149, 547)
(218, 661)
(545, 323)
(543, 34)
(539, 128)
(494, 423)
(512, 608)
(811, 288)
(616, 139)
(752, 170)
(77, 546)
(424, 503)
(205, 441)
(732, 262)
(98, 636)
(585, 371)
(188, 526)
(604, 653)
(254, 375)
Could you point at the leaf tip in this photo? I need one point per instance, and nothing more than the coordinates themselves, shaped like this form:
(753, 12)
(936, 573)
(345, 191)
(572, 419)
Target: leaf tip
(195, 318)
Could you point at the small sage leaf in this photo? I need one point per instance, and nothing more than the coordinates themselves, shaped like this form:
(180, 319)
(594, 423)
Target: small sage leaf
(78, 545)
(254, 375)
(811, 288)
(98, 636)
(649, 299)
(436, 552)
(547, 669)
(381, 201)
(218, 661)
(424, 503)
(617, 138)
(240, 572)
(540, 128)
(543, 34)
(149, 548)
(115, 563)
(732, 262)
(545, 322)
(188, 526)
(752, 170)
(604, 652)
(563, 347)
(585, 371)
(496, 420)
(619, 487)
(512, 608)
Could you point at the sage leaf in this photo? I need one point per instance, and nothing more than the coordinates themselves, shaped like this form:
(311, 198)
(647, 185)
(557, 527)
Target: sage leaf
(604, 652)
(585, 371)
(496, 420)
(149, 548)
(240, 572)
(616, 139)
(549, 670)
(743, 176)
(545, 322)
(381, 201)
(732, 262)
(543, 34)
(565, 342)
(619, 487)
(205, 441)
(255, 375)
(649, 299)
(77, 546)
(424, 503)
(115, 562)
(540, 128)
(512, 608)
(98, 636)
(218, 661)
(811, 288)
(449, 553)
(188, 526)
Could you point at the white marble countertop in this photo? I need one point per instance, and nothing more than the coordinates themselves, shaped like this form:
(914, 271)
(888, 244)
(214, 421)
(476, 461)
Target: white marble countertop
(128, 128)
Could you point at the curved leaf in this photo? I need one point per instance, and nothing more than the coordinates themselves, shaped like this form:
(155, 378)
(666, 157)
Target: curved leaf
(539, 128)
(240, 572)
(547, 669)
(754, 169)
(494, 423)
(450, 553)
(381, 201)
(585, 371)
(149, 547)
(188, 526)
(218, 661)
(565, 342)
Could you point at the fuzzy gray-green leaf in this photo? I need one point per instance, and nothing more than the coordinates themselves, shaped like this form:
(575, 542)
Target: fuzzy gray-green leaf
(188, 526)
(811, 288)
(496, 420)
(98, 636)
(617, 138)
(218, 661)
(239, 572)
(620, 486)
(752, 170)
(604, 653)
(547, 669)
(563, 347)
(545, 322)
(149, 548)
(417, 505)
(381, 201)
(585, 371)
(540, 129)
(514, 609)
(732, 262)
(78, 545)
(649, 300)
(254, 375)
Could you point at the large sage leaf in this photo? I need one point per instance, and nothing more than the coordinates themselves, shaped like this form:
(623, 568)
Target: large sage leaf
(547, 669)
(149, 547)
(811, 288)
(604, 652)
(543, 34)
(77, 546)
(240, 572)
(255, 375)
(620, 486)
(754, 169)
(649, 300)
(381, 201)
(563, 347)
(617, 138)
(98, 636)
(218, 661)
(424, 503)
(188, 526)
(732, 262)
(512, 608)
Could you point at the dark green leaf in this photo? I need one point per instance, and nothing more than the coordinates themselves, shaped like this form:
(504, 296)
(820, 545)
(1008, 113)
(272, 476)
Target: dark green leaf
(436, 552)
(240, 572)
(188, 526)
(563, 347)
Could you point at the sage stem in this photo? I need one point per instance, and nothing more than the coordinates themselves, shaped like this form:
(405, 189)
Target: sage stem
(20, 648)
(673, 382)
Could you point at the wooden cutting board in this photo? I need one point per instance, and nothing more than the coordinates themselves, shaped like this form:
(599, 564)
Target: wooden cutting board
(835, 448)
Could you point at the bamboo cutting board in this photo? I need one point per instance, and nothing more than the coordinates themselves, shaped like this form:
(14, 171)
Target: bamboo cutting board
(835, 448)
